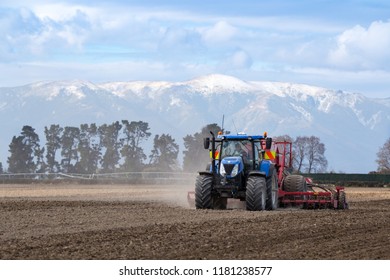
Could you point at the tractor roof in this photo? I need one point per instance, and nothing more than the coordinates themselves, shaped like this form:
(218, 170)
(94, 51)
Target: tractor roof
(241, 137)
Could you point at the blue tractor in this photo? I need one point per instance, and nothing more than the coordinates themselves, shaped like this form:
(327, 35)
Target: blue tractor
(239, 169)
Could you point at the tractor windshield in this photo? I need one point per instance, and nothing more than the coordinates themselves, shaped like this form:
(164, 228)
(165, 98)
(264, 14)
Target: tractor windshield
(241, 148)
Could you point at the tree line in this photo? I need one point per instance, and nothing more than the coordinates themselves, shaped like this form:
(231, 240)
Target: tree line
(118, 147)
(91, 149)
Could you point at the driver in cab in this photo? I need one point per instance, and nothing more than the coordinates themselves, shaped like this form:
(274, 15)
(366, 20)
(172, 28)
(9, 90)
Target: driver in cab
(238, 151)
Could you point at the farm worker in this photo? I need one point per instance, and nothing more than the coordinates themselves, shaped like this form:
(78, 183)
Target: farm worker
(239, 151)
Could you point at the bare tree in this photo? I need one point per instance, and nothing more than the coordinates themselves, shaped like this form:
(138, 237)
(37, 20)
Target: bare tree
(282, 138)
(280, 148)
(309, 152)
(299, 154)
(384, 158)
(315, 155)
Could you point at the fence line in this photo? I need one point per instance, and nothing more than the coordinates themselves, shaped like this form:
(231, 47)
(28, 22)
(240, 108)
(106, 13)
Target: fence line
(175, 178)
(120, 177)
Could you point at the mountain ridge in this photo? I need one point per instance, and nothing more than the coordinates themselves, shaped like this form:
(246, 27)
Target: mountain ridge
(340, 119)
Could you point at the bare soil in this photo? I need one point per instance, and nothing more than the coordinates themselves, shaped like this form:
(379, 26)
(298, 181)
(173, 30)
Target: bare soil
(155, 222)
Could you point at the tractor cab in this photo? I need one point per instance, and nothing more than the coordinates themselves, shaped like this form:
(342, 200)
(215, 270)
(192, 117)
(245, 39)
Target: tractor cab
(236, 157)
(237, 154)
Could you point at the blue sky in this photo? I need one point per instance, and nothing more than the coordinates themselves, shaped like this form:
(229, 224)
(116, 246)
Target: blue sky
(335, 44)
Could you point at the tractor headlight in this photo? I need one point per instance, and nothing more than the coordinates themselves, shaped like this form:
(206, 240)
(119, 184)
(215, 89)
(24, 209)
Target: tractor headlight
(222, 170)
(235, 170)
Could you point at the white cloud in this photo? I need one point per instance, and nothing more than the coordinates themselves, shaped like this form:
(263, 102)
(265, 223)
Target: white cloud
(363, 48)
(240, 60)
(220, 32)
(60, 12)
(29, 37)
(180, 39)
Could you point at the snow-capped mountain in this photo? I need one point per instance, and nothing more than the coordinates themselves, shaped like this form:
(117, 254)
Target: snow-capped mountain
(351, 126)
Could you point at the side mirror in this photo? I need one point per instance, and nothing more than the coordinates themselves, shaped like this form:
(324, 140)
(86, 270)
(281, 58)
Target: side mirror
(268, 143)
(206, 143)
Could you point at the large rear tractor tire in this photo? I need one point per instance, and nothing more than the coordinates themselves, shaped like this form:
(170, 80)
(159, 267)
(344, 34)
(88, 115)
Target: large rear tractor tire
(272, 201)
(203, 187)
(295, 183)
(256, 193)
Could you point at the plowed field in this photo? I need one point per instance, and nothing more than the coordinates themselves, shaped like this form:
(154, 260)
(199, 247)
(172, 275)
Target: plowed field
(155, 222)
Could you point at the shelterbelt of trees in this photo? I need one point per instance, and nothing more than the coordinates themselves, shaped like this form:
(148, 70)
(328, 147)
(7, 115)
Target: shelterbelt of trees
(115, 147)
(118, 147)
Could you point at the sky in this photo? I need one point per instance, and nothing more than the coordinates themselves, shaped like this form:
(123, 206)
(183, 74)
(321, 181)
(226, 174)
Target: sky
(340, 45)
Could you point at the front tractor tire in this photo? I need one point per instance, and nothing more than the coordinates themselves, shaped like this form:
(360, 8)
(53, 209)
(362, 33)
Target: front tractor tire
(256, 193)
(203, 187)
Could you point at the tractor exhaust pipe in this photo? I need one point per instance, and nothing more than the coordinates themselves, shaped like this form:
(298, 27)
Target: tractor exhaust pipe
(213, 153)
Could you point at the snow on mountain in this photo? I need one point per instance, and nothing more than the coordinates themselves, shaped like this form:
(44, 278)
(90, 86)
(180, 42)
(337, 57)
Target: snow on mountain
(219, 84)
(352, 126)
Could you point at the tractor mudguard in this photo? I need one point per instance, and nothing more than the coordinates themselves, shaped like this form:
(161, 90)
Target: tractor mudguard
(205, 173)
(257, 173)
